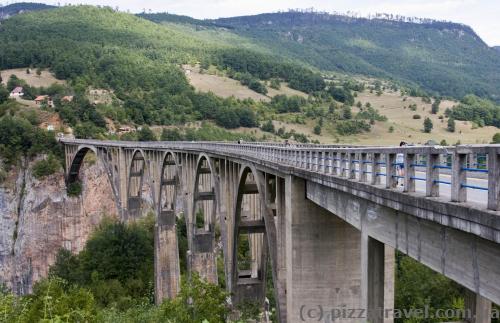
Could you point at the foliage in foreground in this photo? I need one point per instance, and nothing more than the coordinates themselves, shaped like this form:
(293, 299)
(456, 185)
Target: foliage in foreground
(418, 286)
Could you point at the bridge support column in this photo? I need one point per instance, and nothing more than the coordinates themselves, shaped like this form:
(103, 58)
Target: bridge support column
(323, 258)
(478, 307)
(167, 266)
(377, 280)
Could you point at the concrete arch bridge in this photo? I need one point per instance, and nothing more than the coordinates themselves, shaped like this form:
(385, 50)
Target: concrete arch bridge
(323, 221)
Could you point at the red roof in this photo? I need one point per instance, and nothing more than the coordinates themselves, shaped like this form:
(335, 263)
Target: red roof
(41, 97)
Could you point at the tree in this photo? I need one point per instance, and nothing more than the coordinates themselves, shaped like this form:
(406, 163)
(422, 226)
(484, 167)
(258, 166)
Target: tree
(268, 127)
(4, 94)
(275, 84)
(347, 113)
(496, 138)
(428, 125)
(171, 135)
(38, 71)
(451, 125)
(435, 106)
(317, 130)
(391, 129)
(146, 134)
(198, 301)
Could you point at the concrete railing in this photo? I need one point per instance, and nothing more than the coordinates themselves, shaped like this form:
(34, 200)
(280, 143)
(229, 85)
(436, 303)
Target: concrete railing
(468, 173)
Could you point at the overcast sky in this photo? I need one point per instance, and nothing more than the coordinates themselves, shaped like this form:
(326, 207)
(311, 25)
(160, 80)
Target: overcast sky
(482, 15)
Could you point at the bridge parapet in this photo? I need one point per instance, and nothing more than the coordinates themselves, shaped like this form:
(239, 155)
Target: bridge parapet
(458, 173)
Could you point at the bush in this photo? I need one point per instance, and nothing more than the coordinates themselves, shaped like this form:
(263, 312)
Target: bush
(74, 189)
(268, 127)
(496, 138)
(116, 263)
(352, 127)
(341, 95)
(171, 135)
(146, 134)
(3, 175)
(18, 137)
(4, 94)
(45, 167)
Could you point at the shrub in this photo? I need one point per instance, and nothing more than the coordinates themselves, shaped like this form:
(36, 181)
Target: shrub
(146, 134)
(3, 175)
(352, 127)
(74, 189)
(496, 138)
(268, 127)
(45, 167)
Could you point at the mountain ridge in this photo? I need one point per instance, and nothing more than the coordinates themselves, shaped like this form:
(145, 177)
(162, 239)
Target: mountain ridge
(443, 58)
(21, 7)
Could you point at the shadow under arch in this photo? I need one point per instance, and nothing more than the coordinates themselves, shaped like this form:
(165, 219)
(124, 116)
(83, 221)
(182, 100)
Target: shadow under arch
(167, 262)
(254, 240)
(105, 157)
(77, 161)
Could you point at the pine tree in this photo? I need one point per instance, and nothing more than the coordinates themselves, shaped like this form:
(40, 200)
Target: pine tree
(451, 125)
(428, 125)
(435, 106)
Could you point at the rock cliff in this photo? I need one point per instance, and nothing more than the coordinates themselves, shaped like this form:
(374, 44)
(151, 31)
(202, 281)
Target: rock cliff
(37, 218)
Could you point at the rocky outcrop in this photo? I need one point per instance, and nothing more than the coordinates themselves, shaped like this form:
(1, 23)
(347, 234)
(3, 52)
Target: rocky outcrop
(37, 218)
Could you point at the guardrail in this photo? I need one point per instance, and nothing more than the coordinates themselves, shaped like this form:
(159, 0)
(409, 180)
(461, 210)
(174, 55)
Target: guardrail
(454, 170)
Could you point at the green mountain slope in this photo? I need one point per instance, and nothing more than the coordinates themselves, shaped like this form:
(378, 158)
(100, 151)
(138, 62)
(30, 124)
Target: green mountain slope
(20, 7)
(443, 57)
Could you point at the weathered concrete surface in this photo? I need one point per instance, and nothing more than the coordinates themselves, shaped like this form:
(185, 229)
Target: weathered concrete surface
(39, 219)
(477, 307)
(461, 256)
(323, 257)
(167, 265)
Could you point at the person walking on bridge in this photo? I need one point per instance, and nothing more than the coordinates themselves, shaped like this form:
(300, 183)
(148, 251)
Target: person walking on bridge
(400, 165)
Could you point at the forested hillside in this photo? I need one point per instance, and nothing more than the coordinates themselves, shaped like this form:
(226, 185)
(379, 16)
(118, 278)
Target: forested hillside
(140, 62)
(445, 58)
(20, 7)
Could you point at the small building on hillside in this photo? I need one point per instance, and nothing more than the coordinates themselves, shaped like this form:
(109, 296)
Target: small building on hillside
(41, 99)
(67, 98)
(124, 129)
(17, 92)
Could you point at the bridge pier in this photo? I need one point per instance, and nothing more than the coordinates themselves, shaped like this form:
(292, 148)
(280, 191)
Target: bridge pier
(323, 259)
(166, 263)
(478, 307)
(377, 279)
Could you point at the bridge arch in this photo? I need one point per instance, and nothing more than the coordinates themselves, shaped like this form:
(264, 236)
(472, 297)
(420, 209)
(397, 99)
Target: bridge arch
(167, 262)
(254, 242)
(77, 161)
(203, 217)
(137, 169)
